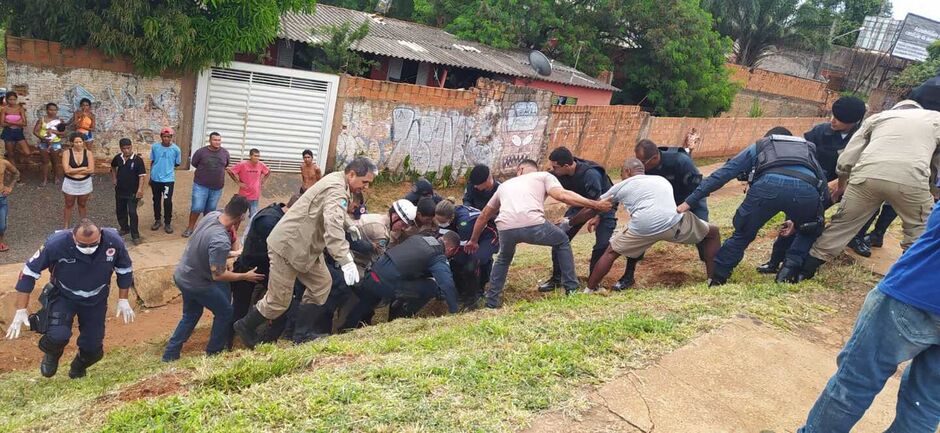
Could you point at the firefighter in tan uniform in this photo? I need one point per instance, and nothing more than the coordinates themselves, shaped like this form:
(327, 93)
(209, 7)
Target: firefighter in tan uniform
(296, 246)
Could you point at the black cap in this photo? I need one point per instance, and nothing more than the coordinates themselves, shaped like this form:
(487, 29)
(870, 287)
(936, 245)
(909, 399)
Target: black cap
(848, 109)
(426, 207)
(928, 94)
(124, 142)
(479, 174)
(423, 187)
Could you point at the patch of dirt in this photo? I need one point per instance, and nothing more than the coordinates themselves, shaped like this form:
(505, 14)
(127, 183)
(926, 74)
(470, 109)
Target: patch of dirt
(154, 386)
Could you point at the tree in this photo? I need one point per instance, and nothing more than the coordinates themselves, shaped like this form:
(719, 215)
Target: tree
(157, 35)
(337, 56)
(757, 27)
(914, 75)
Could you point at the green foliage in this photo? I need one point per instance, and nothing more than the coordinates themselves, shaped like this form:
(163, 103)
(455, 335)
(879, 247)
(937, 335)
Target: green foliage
(860, 95)
(755, 110)
(337, 56)
(157, 35)
(914, 75)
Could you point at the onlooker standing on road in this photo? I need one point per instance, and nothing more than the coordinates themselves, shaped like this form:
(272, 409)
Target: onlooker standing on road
(202, 277)
(127, 169)
(6, 167)
(899, 321)
(309, 171)
(210, 162)
(165, 156)
(250, 176)
(13, 121)
(49, 129)
(79, 165)
(83, 121)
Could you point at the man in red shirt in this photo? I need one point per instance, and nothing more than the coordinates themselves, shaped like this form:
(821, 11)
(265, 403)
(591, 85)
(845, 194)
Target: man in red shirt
(250, 176)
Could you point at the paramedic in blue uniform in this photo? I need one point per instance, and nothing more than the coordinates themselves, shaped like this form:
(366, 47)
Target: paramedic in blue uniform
(81, 262)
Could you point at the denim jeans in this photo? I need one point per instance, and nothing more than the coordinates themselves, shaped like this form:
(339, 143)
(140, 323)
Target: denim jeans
(888, 332)
(218, 299)
(126, 209)
(602, 234)
(204, 200)
(546, 234)
(768, 196)
(4, 210)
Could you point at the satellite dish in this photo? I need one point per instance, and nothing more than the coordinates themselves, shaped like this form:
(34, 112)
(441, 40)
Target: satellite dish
(540, 63)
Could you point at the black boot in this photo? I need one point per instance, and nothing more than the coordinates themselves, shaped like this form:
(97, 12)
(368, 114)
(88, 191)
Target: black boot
(626, 281)
(810, 266)
(789, 275)
(770, 267)
(875, 239)
(550, 285)
(305, 328)
(247, 327)
(82, 361)
(52, 350)
(717, 281)
(861, 248)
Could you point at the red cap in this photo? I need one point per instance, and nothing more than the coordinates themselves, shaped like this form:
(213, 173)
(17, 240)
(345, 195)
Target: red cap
(166, 131)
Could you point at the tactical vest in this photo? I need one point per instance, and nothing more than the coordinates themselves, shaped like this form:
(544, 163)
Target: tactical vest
(256, 247)
(683, 182)
(777, 152)
(412, 256)
(575, 182)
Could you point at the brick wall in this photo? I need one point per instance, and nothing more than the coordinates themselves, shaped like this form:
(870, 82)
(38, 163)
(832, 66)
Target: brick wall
(759, 80)
(494, 123)
(124, 104)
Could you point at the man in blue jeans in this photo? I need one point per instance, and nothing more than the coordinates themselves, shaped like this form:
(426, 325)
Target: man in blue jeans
(208, 181)
(6, 167)
(202, 277)
(519, 208)
(784, 176)
(899, 321)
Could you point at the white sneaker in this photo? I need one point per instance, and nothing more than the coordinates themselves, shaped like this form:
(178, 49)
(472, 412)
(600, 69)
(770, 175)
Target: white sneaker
(597, 291)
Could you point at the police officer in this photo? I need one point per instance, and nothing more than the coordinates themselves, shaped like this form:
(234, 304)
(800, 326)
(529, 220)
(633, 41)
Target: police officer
(422, 188)
(589, 180)
(316, 222)
(676, 165)
(785, 177)
(472, 271)
(830, 138)
(81, 262)
(413, 272)
(480, 187)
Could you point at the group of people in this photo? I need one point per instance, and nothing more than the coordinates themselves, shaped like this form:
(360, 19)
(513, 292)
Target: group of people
(322, 256)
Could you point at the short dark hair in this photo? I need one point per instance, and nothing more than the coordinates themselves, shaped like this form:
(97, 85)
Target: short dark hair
(778, 130)
(562, 156)
(82, 101)
(86, 226)
(479, 174)
(647, 147)
(528, 162)
(236, 206)
(11, 94)
(361, 166)
(51, 104)
(427, 207)
(214, 134)
(124, 142)
(450, 238)
(307, 152)
(254, 152)
(75, 135)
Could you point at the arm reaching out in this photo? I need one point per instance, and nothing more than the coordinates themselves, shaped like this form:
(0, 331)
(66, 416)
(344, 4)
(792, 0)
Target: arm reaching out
(574, 199)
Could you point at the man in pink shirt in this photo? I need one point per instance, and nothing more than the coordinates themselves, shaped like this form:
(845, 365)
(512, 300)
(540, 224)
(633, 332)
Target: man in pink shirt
(250, 176)
(519, 207)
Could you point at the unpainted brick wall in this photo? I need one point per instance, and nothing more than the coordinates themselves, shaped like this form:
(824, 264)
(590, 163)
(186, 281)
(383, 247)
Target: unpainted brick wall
(772, 83)
(124, 104)
(493, 123)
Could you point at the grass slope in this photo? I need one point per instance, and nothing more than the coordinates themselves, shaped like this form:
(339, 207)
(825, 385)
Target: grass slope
(487, 371)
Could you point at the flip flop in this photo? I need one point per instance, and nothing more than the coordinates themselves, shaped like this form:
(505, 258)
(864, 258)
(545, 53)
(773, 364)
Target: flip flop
(4, 248)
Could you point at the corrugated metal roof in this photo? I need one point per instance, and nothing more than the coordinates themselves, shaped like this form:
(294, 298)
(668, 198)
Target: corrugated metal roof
(411, 41)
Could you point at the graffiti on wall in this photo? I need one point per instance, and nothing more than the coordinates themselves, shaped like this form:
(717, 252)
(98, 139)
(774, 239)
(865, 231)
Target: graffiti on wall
(496, 134)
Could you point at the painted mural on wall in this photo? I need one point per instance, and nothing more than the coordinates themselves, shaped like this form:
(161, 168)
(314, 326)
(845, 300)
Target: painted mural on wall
(124, 105)
(498, 133)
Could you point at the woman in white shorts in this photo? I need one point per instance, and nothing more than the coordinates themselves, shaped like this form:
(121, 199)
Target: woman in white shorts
(79, 166)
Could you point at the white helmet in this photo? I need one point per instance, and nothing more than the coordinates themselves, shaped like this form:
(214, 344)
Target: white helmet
(406, 210)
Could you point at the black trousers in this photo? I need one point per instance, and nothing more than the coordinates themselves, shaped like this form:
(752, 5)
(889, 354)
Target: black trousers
(162, 194)
(126, 208)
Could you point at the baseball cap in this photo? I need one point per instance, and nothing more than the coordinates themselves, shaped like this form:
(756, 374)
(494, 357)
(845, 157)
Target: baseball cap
(166, 131)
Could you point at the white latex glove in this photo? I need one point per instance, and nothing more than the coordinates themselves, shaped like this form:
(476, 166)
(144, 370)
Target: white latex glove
(354, 233)
(19, 319)
(124, 309)
(350, 274)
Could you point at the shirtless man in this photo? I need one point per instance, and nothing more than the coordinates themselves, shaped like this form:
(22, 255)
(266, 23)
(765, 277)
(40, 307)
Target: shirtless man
(7, 169)
(309, 171)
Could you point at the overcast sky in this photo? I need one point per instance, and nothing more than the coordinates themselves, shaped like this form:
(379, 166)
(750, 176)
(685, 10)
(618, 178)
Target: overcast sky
(925, 8)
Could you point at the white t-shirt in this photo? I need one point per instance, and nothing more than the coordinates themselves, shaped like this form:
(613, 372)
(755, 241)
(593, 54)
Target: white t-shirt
(648, 199)
(521, 200)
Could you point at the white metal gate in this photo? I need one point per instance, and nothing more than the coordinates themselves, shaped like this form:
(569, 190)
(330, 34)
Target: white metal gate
(279, 111)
